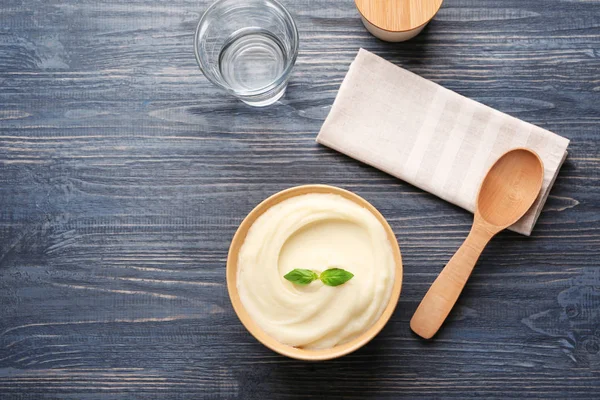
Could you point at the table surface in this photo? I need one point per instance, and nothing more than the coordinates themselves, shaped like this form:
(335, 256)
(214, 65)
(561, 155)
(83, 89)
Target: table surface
(124, 175)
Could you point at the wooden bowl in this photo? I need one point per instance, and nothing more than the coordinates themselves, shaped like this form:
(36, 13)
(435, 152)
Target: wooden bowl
(262, 336)
(397, 20)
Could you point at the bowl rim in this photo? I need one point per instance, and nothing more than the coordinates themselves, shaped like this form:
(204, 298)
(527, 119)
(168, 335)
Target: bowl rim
(261, 335)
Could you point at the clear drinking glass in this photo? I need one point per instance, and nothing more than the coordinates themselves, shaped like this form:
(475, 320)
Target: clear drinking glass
(248, 48)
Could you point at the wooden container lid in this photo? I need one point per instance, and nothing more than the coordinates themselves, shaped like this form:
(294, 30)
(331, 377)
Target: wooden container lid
(398, 15)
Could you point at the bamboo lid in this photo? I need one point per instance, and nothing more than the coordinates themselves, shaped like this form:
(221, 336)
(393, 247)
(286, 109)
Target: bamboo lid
(398, 15)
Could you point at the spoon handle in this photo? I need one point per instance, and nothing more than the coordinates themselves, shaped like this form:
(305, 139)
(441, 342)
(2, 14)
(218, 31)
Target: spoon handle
(444, 291)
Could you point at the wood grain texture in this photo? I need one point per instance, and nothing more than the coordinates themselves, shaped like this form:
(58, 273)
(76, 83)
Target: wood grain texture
(124, 174)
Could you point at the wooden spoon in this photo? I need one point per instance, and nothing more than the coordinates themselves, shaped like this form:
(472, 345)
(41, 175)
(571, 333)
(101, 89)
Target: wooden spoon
(508, 190)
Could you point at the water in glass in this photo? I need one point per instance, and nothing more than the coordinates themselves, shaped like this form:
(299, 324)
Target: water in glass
(251, 59)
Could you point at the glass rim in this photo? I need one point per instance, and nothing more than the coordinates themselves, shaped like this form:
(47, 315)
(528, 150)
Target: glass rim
(282, 76)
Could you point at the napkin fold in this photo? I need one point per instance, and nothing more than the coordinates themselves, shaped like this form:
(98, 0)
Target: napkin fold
(429, 136)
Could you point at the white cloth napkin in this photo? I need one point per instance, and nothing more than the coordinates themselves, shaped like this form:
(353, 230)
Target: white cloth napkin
(429, 136)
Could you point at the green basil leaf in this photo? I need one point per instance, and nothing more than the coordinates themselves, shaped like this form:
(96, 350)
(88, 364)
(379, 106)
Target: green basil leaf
(335, 276)
(301, 276)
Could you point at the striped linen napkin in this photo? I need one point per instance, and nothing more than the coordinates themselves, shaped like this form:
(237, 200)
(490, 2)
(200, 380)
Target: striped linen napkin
(429, 136)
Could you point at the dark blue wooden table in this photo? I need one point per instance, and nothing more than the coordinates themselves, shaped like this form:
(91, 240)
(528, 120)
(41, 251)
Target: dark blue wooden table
(124, 174)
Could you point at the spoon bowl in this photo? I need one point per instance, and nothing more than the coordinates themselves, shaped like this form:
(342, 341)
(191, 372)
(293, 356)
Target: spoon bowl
(508, 190)
(510, 187)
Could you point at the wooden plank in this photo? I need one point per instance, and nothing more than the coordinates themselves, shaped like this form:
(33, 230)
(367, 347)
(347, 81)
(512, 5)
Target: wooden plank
(124, 174)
